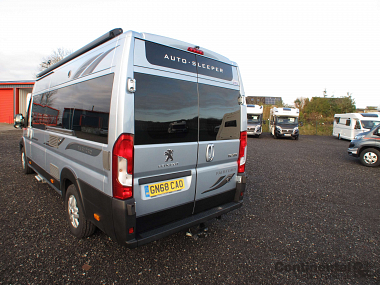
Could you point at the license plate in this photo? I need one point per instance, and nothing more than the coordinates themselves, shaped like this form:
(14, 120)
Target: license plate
(287, 135)
(153, 190)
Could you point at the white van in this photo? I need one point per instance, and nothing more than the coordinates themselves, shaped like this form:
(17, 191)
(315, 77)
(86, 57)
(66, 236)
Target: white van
(284, 122)
(254, 120)
(347, 126)
(142, 135)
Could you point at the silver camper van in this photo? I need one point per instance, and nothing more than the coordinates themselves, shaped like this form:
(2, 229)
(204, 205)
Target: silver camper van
(142, 135)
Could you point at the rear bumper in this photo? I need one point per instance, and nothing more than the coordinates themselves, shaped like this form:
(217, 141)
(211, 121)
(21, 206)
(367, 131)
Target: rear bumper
(200, 215)
(183, 224)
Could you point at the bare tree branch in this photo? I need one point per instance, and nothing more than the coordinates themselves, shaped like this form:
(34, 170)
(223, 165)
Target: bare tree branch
(56, 56)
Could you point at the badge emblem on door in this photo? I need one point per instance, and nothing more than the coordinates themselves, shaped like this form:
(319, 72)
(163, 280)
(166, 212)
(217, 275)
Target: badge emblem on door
(210, 152)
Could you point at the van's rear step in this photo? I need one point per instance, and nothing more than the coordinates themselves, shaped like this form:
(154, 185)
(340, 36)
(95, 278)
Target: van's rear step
(40, 179)
(183, 224)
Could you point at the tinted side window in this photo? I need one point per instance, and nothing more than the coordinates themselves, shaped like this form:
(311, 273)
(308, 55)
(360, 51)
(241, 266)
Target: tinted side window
(83, 108)
(219, 113)
(39, 118)
(348, 122)
(166, 110)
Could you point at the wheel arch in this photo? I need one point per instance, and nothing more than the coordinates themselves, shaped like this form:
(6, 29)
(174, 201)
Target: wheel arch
(364, 147)
(21, 144)
(69, 177)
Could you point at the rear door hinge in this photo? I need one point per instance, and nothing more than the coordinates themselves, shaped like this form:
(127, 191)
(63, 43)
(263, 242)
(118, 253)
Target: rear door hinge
(241, 100)
(131, 85)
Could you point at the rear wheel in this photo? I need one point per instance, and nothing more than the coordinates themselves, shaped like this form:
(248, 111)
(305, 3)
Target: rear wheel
(79, 225)
(338, 136)
(370, 157)
(24, 163)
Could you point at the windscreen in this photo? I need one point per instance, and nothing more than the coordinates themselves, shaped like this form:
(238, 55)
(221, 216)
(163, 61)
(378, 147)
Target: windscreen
(369, 124)
(287, 120)
(253, 118)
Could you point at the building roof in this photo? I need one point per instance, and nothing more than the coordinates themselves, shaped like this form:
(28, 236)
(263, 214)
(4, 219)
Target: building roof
(18, 82)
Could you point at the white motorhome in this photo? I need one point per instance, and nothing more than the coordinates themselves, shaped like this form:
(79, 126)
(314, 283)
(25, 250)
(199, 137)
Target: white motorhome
(347, 126)
(142, 135)
(284, 122)
(254, 120)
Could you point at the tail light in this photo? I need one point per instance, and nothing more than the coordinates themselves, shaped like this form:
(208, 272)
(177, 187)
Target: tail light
(122, 167)
(242, 152)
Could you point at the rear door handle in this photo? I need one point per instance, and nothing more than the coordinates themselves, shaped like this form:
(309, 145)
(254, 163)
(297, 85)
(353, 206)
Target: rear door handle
(210, 152)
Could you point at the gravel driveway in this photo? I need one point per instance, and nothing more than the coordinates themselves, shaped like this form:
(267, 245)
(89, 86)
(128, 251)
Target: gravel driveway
(310, 215)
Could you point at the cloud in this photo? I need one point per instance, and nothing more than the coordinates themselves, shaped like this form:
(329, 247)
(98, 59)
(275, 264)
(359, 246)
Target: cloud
(19, 66)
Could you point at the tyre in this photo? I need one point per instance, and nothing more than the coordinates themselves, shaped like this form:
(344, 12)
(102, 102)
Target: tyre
(296, 138)
(370, 157)
(24, 163)
(275, 136)
(78, 224)
(339, 137)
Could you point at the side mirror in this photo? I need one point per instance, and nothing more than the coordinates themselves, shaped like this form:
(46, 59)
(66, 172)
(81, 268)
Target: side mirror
(377, 132)
(264, 122)
(19, 121)
(301, 124)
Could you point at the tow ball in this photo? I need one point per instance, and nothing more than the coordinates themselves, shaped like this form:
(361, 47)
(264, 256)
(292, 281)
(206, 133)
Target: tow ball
(199, 231)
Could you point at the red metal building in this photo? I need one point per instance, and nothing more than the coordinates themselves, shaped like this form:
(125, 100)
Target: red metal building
(13, 99)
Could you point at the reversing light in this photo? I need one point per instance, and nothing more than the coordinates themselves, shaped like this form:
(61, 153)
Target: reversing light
(195, 50)
(242, 152)
(122, 167)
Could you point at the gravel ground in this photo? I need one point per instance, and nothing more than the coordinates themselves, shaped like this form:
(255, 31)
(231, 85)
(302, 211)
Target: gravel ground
(310, 216)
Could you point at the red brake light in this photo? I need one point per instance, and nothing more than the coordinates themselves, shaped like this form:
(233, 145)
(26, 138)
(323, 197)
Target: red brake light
(195, 50)
(242, 152)
(122, 167)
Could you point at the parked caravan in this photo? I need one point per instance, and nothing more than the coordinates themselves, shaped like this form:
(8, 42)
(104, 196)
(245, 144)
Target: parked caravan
(254, 120)
(284, 122)
(347, 126)
(142, 135)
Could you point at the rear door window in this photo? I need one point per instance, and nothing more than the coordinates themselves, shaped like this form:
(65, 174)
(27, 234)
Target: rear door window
(166, 110)
(219, 113)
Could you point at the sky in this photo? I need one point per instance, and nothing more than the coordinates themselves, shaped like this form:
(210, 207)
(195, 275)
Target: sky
(284, 48)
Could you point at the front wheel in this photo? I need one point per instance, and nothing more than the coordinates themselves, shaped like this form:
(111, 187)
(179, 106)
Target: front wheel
(370, 157)
(79, 225)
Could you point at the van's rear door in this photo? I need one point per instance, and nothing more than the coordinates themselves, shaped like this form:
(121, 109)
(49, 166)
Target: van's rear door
(219, 133)
(166, 134)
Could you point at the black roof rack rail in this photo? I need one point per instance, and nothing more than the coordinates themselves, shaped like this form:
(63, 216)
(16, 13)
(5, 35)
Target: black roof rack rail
(106, 37)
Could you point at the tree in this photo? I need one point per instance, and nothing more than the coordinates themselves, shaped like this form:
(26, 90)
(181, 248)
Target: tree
(300, 103)
(56, 56)
(325, 107)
